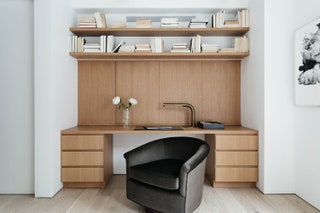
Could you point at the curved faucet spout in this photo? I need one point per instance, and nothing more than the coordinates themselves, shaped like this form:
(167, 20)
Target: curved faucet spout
(190, 106)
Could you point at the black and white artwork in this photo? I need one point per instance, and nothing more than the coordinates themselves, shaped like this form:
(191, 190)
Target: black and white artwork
(307, 64)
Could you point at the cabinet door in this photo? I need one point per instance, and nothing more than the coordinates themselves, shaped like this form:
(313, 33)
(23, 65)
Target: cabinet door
(82, 142)
(82, 159)
(236, 142)
(236, 158)
(82, 175)
(96, 89)
(242, 174)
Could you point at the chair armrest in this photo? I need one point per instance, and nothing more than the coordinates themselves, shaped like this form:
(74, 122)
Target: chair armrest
(191, 164)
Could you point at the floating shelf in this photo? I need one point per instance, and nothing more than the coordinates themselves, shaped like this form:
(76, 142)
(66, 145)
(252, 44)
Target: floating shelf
(230, 31)
(148, 56)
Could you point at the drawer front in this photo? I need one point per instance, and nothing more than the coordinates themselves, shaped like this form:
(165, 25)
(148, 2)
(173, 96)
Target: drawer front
(236, 174)
(236, 142)
(236, 158)
(82, 175)
(82, 142)
(81, 158)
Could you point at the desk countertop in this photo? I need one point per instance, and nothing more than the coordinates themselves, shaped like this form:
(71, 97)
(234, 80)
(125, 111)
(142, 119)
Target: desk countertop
(111, 129)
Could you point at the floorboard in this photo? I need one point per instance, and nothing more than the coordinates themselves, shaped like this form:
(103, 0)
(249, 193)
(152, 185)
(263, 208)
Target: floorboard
(112, 199)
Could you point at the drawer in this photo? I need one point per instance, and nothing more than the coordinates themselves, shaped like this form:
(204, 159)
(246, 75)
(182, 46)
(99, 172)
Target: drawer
(236, 158)
(81, 158)
(230, 174)
(82, 142)
(236, 142)
(82, 175)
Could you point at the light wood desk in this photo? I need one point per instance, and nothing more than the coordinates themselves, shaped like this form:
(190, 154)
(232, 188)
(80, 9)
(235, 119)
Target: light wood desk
(86, 154)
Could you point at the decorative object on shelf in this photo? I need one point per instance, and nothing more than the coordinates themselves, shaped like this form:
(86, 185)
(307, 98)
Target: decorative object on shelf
(126, 109)
(307, 64)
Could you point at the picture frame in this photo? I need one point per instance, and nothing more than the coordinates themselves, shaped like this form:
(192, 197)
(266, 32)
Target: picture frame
(307, 64)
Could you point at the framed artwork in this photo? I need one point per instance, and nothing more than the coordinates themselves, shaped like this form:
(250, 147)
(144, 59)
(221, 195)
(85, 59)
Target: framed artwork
(307, 64)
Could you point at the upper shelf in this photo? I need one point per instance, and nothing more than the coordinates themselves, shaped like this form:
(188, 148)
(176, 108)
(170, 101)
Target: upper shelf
(230, 31)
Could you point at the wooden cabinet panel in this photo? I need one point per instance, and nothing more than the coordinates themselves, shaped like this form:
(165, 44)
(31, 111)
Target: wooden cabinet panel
(96, 89)
(236, 142)
(226, 174)
(82, 142)
(234, 158)
(180, 82)
(82, 158)
(221, 92)
(82, 175)
(139, 80)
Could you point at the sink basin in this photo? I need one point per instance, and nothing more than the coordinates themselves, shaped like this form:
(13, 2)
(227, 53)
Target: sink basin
(161, 127)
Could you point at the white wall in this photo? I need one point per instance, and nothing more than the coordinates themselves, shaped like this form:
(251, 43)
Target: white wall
(16, 97)
(307, 124)
(279, 146)
(252, 82)
(55, 90)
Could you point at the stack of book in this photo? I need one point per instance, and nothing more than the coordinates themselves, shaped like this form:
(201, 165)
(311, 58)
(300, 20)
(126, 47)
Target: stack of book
(180, 48)
(223, 19)
(118, 24)
(210, 48)
(156, 44)
(143, 48)
(100, 19)
(198, 23)
(87, 22)
(127, 48)
(143, 23)
(91, 47)
(169, 23)
(90, 44)
(241, 44)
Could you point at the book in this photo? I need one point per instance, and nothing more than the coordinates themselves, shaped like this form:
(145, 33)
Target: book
(209, 48)
(143, 23)
(100, 19)
(241, 44)
(87, 21)
(110, 43)
(223, 18)
(118, 24)
(116, 49)
(103, 43)
(127, 48)
(198, 23)
(169, 23)
(156, 44)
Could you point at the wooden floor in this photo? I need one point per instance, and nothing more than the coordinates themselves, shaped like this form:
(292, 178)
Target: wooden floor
(113, 200)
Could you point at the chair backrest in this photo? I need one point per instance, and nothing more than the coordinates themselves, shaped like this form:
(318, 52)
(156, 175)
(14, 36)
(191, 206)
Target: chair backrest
(181, 148)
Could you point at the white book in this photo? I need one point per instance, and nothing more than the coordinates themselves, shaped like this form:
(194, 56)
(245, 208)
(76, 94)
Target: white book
(100, 19)
(110, 43)
(103, 43)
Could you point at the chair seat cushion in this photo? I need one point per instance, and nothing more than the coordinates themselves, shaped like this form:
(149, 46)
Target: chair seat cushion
(161, 173)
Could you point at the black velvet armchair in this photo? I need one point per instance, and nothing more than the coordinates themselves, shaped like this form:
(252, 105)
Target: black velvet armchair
(167, 175)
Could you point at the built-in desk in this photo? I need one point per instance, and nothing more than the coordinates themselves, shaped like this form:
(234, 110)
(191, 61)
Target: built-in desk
(86, 154)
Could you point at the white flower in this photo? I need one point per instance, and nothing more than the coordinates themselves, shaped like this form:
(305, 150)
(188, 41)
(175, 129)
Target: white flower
(116, 100)
(133, 101)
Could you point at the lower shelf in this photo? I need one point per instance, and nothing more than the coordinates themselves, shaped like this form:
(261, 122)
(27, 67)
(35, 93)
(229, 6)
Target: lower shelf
(147, 56)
